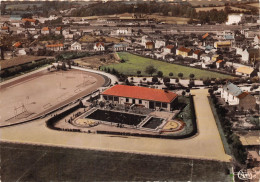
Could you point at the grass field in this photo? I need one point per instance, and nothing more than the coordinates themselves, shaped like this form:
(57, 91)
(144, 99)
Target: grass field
(135, 63)
(218, 8)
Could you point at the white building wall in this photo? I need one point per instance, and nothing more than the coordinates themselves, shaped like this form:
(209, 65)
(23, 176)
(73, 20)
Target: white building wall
(232, 100)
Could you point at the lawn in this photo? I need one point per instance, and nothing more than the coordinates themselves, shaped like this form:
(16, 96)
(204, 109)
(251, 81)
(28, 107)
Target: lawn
(135, 63)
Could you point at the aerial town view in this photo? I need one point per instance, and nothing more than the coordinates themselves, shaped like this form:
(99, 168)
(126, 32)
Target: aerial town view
(130, 90)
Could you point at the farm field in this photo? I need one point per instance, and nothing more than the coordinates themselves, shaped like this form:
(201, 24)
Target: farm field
(169, 19)
(92, 39)
(135, 63)
(218, 8)
(94, 62)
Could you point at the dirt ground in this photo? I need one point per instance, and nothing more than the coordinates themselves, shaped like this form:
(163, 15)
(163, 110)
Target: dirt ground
(94, 61)
(44, 91)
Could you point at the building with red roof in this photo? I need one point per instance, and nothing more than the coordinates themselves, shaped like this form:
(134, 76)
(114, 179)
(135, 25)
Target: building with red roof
(99, 46)
(140, 96)
(45, 30)
(149, 45)
(183, 51)
(169, 49)
(17, 44)
(55, 47)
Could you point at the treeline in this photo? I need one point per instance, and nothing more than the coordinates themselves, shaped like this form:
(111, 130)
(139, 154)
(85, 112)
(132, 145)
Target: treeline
(166, 9)
(9, 72)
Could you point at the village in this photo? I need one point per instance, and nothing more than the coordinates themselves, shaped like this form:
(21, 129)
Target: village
(138, 75)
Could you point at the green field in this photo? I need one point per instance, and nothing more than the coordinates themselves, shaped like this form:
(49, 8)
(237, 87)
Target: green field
(134, 63)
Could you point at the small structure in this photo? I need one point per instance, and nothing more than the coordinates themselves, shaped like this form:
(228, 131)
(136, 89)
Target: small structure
(234, 19)
(159, 44)
(75, 46)
(140, 96)
(29, 21)
(233, 95)
(120, 47)
(58, 30)
(45, 30)
(196, 54)
(149, 45)
(184, 52)
(55, 47)
(169, 49)
(220, 63)
(100, 46)
(222, 44)
(246, 71)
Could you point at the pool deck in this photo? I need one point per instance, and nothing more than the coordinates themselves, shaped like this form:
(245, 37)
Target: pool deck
(206, 144)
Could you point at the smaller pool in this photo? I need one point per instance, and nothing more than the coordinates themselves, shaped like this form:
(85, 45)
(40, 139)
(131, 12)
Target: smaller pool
(153, 123)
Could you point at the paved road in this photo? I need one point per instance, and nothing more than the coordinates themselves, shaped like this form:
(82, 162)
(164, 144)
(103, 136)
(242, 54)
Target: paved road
(206, 145)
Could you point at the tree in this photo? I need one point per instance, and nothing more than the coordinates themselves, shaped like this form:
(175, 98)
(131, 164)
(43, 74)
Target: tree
(138, 72)
(150, 70)
(160, 74)
(183, 93)
(155, 79)
(166, 80)
(180, 75)
(170, 74)
(192, 76)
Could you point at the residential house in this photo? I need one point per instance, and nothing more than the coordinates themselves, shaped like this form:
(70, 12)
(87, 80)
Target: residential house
(184, 52)
(246, 71)
(169, 49)
(55, 47)
(159, 44)
(206, 60)
(220, 63)
(17, 44)
(122, 31)
(251, 34)
(141, 96)
(5, 29)
(222, 44)
(149, 45)
(45, 30)
(233, 95)
(196, 54)
(58, 30)
(248, 55)
(257, 40)
(29, 21)
(120, 47)
(100, 46)
(75, 46)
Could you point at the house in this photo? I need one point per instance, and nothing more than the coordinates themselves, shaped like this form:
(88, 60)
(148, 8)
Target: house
(220, 63)
(246, 71)
(17, 44)
(45, 30)
(206, 60)
(122, 31)
(75, 46)
(5, 29)
(184, 52)
(248, 55)
(29, 21)
(55, 47)
(233, 95)
(257, 40)
(100, 46)
(169, 49)
(222, 44)
(68, 36)
(120, 47)
(159, 44)
(149, 45)
(196, 54)
(141, 96)
(234, 19)
(58, 30)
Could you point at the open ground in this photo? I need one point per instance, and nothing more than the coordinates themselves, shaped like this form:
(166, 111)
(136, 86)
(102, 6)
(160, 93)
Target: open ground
(41, 92)
(134, 63)
(198, 147)
(37, 163)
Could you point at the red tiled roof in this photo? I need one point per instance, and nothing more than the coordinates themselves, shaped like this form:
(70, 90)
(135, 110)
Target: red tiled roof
(29, 19)
(54, 45)
(219, 61)
(45, 28)
(58, 28)
(99, 43)
(4, 28)
(149, 43)
(183, 49)
(243, 95)
(17, 44)
(197, 52)
(170, 46)
(143, 93)
(205, 35)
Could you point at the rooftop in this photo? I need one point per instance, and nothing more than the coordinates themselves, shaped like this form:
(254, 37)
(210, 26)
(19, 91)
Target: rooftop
(54, 45)
(183, 49)
(143, 93)
(232, 89)
(245, 69)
